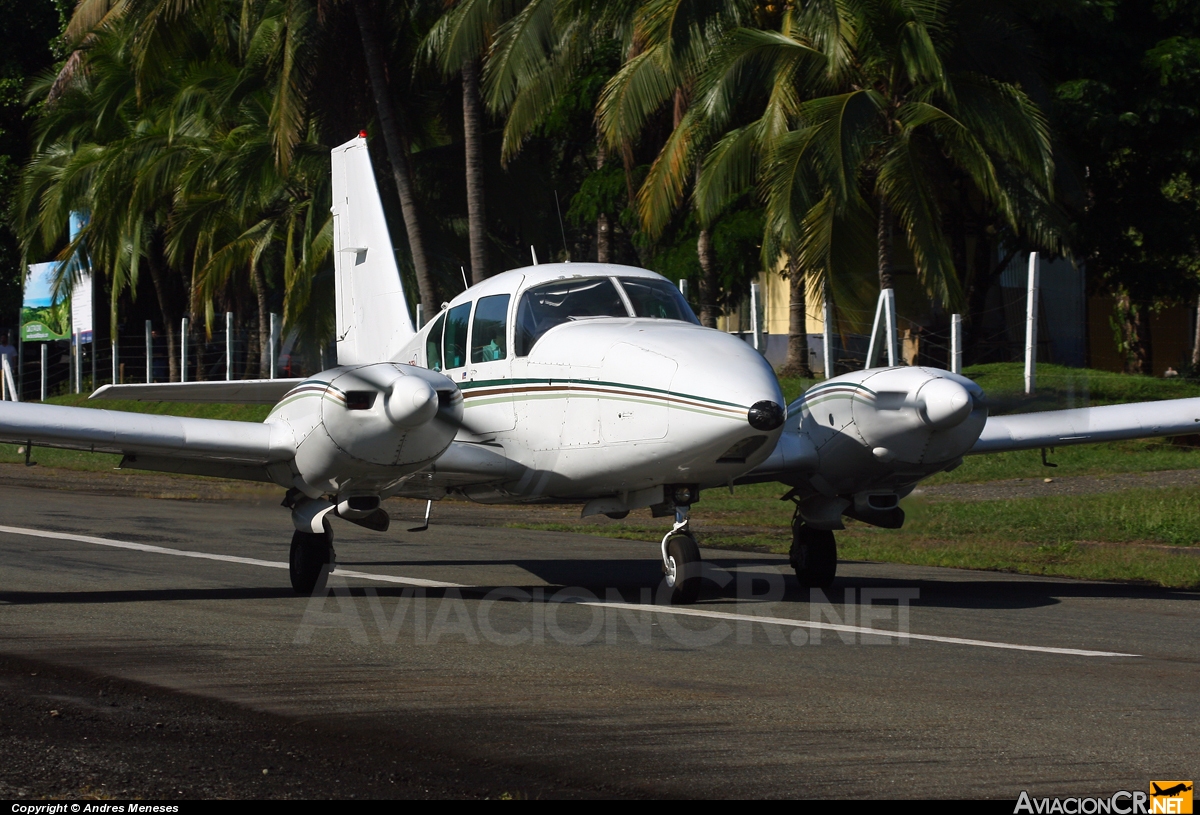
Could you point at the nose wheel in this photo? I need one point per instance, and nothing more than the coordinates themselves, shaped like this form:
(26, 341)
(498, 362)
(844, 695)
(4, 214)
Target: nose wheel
(311, 560)
(813, 555)
(681, 561)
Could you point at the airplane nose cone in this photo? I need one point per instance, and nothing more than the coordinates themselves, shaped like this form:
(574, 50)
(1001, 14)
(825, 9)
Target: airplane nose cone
(766, 415)
(944, 403)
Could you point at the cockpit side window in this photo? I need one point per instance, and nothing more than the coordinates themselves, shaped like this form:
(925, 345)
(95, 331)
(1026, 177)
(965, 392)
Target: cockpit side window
(455, 344)
(543, 307)
(433, 345)
(657, 298)
(488, 332)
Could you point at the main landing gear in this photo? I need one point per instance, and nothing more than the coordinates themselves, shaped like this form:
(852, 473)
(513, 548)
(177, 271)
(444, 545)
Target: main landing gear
(813, 554)
(312, 559)
(681, 560)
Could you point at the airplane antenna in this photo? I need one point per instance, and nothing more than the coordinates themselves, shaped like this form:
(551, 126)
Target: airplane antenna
(533, 252)
(466, 285)
(561, 231)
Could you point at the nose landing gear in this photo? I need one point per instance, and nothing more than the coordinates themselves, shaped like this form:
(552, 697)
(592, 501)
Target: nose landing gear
(681, 560)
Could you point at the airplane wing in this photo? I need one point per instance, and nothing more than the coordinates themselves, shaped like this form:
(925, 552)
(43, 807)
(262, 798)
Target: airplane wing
(238, 391)
(163, 443)
(1060, 428)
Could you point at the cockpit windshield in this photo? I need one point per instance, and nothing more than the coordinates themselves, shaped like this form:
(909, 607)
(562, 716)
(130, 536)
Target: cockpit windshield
(652, 297)
(543, 307)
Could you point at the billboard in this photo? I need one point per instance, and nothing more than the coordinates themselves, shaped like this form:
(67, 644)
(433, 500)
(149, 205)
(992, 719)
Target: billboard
(43, 317)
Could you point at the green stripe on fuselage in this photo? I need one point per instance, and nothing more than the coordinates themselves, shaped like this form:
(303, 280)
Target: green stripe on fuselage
(466, 387)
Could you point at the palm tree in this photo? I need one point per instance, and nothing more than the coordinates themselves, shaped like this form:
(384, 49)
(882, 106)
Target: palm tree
(98, 150)
(538, 49)
(459, 40)
(669, 45)
(870, 107)
(186, 168)
(850, 118)
(296, 37)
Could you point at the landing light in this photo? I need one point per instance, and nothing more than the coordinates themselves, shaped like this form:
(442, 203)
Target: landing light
(683, 495)
(766, 415)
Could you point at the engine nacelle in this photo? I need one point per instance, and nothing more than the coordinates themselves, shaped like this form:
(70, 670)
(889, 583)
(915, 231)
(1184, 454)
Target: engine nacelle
(363, 429)
(875, 434)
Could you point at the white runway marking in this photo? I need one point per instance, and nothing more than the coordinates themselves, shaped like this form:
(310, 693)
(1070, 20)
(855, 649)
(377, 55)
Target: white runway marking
(794, 623)
(247, 561)
(682, 612)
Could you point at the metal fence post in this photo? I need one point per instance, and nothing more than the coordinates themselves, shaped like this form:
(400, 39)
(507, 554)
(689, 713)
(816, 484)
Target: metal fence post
(183, 340)
(78, 356)
(45, 357)
(956, 343)
(14, 390)
(755, 320)
(228, 345)
(827, 320)
(274, 350)
(1031, 296)
(149, 354)
(115, 366)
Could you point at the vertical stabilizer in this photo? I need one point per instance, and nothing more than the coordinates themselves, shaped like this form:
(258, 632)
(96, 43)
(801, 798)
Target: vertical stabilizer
(373, 322)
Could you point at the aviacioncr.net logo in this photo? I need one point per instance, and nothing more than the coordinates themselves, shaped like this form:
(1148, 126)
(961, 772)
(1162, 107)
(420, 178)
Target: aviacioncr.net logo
(1122, 802)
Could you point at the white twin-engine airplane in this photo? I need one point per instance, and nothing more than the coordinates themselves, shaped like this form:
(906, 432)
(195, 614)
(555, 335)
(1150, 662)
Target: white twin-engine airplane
(565, 383)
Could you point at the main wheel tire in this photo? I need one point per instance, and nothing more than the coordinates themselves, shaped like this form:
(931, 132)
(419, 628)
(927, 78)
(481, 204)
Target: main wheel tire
(311, 561)
(682, 569)
(813, 556)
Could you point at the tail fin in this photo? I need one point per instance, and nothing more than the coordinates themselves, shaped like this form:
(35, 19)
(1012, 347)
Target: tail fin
(373, 322)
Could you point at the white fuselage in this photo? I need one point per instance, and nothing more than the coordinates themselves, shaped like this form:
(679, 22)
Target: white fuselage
(607, 406)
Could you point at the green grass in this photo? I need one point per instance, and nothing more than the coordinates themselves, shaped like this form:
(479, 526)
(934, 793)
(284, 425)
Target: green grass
(1062, 387)
(235, 413)
(1138, 456)
(1136, 564)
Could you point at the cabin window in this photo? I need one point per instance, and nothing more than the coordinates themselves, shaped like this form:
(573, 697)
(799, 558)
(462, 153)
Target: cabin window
(543, 307)
(433, 345)
(652, 297)
(488, 330)
(456, 336)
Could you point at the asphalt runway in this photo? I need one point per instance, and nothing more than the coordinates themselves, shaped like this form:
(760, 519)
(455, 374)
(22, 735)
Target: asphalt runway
(542, 652)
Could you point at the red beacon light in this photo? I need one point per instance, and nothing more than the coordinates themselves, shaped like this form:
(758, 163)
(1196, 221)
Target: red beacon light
(362, 134)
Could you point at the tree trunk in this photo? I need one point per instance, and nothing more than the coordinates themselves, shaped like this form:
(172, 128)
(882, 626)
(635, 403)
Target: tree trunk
(473, 147)
(603, 228)
(1132, 333)
(1143, 348)
(156, 261)
(884, 238)
(708, 279)
(397, 152)
(1196, 342)
(797, 353)
(264, 323)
